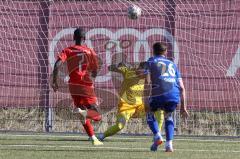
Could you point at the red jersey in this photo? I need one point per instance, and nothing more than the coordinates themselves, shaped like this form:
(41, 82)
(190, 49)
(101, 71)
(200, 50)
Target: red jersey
(81, 62)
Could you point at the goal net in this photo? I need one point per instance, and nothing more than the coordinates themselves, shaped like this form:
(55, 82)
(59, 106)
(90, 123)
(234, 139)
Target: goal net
(202, 38)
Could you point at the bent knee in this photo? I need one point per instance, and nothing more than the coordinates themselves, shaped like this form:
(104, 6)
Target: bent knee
(168, 117)
(97, 118)
(120, 125)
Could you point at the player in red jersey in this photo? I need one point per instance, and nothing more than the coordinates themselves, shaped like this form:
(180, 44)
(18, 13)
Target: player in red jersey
(82, 66)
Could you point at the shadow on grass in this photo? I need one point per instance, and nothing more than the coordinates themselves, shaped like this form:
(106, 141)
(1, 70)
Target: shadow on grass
(67, 139)
(100, 149)
(117, 141)
(34, 139)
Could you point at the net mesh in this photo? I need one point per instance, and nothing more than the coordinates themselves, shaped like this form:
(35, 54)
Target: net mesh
(202, 37)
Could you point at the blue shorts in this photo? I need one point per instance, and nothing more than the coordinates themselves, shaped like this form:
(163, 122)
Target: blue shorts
(167, 106)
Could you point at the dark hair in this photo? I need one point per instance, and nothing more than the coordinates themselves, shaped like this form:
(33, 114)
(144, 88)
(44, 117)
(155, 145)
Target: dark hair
(79, 34)
(159, 48)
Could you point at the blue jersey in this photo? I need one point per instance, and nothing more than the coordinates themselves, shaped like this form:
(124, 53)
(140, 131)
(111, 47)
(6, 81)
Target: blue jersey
(165, 79)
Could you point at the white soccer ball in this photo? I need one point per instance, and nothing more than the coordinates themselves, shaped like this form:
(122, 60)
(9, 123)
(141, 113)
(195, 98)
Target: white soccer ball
(134, 12)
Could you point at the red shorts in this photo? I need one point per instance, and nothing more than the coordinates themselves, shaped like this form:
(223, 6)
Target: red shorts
(88, 103)
(80, 101)
(82, 94)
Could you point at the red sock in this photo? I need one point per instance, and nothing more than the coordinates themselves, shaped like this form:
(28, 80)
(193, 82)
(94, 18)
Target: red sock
(88, 127)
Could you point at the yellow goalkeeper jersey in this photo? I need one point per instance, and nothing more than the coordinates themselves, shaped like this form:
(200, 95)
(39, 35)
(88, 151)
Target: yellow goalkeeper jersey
(132, 86)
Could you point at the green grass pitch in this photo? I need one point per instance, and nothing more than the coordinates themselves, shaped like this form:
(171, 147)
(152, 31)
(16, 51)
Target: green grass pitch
(63, 146)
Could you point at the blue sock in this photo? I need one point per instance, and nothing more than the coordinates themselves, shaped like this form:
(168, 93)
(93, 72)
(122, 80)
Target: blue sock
(169, 128)
(152, 123)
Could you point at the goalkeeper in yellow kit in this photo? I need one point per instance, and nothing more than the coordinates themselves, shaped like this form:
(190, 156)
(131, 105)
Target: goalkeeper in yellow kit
(131, 94)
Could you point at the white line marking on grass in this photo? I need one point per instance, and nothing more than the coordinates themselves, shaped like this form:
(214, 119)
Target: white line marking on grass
(218, 151)
(116, 138)
(114, 148)
(207, 140)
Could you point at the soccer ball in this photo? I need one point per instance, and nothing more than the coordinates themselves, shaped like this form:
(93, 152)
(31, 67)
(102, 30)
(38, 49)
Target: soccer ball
(134, 12)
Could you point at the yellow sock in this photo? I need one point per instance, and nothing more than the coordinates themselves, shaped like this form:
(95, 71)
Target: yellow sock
(113, 129)
(160, 118)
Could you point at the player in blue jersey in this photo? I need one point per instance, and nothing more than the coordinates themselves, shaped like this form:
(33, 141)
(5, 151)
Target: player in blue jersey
(163, 90)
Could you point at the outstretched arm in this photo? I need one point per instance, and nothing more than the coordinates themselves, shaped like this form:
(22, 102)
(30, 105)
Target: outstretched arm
(183, 109)
(146, 93)
(55, 75)
(113, 68)
(142, 70)
(94, 64)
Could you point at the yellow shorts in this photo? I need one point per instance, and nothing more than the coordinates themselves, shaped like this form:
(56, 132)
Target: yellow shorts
(130, 111)
(127, 111)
